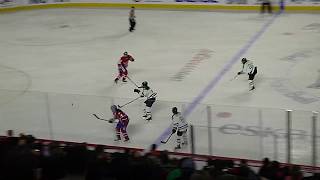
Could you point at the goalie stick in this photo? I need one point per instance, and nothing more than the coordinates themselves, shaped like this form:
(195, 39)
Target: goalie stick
(164, 142)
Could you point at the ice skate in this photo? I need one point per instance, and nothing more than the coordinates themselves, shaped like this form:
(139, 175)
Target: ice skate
(124, 80)
(116, 80)
(177, 147)
(118, 138)
(252, 88)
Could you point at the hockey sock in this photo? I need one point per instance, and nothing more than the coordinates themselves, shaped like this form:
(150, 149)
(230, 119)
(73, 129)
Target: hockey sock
(185, 138)
(251, 84)
(178, 140)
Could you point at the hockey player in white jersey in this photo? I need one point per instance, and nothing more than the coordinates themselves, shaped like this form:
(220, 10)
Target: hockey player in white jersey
(250, 69)
(180, 126)
(150, 96)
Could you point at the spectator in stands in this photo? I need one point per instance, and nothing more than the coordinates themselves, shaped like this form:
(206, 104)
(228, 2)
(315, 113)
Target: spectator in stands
(265, 168)
(21, 162)
(200, 175)
(26, 158)
(294, 173)
(53, 162)
(184, 170)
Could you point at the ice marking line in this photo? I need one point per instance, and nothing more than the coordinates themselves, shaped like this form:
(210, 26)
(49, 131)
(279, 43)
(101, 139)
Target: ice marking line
(213, 83)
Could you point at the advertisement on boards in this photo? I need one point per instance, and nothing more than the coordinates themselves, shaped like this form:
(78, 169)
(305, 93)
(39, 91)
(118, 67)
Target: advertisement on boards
(7, 3)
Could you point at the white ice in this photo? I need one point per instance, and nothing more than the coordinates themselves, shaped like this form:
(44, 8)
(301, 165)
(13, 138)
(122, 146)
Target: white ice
(57, 67)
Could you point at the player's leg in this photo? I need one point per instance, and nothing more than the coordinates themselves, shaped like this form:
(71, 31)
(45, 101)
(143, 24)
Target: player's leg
(269, 8)
(251, 79)
(124, 133)
(179, 136)
(118, 137)
(131, 25)
(148, 103)
(185, 138)
(120, 74)
(125, 74)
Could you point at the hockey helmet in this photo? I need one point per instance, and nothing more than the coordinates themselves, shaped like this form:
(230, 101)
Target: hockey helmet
(144, 84)
(114, 108)
(125, 53)
(174, 110)
(244, 60)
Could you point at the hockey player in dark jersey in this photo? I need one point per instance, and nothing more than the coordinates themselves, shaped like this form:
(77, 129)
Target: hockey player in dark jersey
(123, 121)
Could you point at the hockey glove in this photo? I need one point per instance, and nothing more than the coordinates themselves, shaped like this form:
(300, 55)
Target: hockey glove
(111, 120)
(136, 90)
(174, 130)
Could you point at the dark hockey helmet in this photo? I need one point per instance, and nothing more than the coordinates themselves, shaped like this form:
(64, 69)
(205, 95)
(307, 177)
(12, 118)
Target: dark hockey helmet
(244, 60)
(125, 53)
(174, 110)
(144, 84)
(114, 108)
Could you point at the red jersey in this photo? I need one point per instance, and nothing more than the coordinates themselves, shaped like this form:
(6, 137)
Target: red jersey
(121, 116)
(124, 60)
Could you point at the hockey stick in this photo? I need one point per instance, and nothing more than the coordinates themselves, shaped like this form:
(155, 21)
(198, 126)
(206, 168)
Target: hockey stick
(164, 142)
(100, 118)
(234, 77)
(128, 102)
(132, 82)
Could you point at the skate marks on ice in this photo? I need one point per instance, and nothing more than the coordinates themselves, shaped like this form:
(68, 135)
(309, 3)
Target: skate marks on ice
(201, 55)
(44, 41)
(314, 27)
(297, 56)
(284, 87)
(13, 84)
(60, 28)
(316, 84)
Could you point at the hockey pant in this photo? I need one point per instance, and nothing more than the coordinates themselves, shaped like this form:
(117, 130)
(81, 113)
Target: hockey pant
(123, 72)
(132, 24)
(251, 78)
(182, 136)
(121, 127)
(147, 109)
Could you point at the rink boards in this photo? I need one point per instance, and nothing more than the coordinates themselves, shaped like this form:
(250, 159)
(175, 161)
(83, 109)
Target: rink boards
(313, 7)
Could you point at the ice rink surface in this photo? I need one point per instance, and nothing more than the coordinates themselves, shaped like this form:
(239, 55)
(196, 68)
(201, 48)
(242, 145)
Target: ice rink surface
(57, 67)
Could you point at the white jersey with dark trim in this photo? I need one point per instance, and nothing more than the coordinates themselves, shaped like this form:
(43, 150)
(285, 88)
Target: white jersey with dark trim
(148, 93)
(248, 67)
(178, 122)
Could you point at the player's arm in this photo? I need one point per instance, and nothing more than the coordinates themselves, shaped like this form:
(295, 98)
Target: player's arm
(175, 124)
(131, 58)
(241, 72)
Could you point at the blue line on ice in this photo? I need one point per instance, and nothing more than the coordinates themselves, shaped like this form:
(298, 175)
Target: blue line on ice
(214, 82)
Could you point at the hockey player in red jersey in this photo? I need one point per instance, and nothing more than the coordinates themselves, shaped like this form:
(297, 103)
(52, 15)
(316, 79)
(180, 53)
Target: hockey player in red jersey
(123, 121)
(122, 67)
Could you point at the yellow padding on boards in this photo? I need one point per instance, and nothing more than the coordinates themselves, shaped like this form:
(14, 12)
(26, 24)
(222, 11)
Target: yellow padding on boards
(158, 6)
